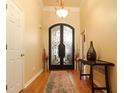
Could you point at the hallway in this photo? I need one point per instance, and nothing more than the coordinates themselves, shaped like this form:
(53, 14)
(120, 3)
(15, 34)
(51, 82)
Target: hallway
(37, 34)
(37, 86)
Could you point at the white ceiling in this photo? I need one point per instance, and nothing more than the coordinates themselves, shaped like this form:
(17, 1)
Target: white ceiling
(68, 3)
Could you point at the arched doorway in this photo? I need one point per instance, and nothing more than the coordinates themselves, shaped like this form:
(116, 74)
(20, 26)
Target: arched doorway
(61, 46)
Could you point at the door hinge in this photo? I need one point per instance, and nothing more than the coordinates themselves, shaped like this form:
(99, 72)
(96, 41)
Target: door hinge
(6, 46)
(6, 87)
(6, 6)
(22, 55)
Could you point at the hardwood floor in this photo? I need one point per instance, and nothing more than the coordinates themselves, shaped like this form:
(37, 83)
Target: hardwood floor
(38, 85)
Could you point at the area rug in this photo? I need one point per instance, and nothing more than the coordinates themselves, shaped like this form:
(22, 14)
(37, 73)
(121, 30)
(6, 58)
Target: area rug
(59, 82)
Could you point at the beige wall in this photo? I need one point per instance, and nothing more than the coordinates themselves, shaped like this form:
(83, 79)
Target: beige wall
(32, 37)
(99, 19)
(50, 18)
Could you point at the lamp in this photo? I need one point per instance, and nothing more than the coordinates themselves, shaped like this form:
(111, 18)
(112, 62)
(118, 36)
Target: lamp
(61, 12)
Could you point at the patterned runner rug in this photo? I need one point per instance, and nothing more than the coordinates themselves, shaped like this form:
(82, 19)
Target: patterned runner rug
(59, 82)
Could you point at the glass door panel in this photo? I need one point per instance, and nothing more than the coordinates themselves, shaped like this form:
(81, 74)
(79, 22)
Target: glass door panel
(55, 41)
(67, 40)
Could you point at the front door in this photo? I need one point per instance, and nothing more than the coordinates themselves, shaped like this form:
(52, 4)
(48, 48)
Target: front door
(61, 47)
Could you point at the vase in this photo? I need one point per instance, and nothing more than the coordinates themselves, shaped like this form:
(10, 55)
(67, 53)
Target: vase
(91, 54)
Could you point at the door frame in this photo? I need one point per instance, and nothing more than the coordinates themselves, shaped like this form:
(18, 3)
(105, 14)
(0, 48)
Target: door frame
(61, 67)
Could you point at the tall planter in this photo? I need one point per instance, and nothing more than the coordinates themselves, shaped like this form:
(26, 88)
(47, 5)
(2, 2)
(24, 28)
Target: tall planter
(91, 53)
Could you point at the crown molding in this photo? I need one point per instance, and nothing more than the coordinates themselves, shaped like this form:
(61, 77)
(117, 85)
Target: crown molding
(52, 8)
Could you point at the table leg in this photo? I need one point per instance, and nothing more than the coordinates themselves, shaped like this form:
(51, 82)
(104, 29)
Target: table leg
(107, 79)
(44, 66)
(76, 64)
(80, 70)
(91, 78)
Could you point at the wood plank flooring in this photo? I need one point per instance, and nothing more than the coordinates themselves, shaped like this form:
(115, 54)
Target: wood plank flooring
(38, 85)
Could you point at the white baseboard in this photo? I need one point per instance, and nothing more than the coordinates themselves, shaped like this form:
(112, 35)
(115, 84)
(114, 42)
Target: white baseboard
(32, 79)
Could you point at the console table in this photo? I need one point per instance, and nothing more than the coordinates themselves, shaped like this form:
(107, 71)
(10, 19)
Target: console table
(98, 63)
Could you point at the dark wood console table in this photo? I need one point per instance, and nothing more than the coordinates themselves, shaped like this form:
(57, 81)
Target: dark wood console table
(98, 63)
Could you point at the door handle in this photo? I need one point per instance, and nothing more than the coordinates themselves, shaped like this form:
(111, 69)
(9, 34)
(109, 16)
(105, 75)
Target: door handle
(22, 55)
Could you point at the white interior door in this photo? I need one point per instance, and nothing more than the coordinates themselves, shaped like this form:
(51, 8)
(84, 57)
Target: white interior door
(14, 64)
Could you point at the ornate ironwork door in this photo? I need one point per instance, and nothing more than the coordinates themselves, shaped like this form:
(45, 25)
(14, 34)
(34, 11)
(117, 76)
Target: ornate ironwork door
(61, 46)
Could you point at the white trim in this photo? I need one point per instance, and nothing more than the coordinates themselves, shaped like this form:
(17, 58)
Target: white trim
(23, 49)
(52, 8)
(32, 79)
